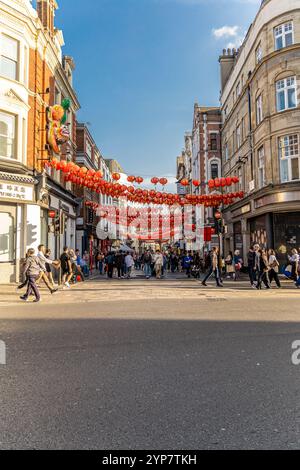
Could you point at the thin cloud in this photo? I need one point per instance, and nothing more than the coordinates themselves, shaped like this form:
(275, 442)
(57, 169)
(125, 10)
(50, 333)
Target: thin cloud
(226, 32)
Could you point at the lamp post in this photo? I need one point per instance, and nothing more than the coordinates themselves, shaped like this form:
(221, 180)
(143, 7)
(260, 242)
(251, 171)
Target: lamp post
(218, 217)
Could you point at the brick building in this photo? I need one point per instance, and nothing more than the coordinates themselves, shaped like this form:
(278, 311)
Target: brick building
(33, 75)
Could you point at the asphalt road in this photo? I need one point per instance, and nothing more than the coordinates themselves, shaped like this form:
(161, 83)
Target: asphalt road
(151, 374)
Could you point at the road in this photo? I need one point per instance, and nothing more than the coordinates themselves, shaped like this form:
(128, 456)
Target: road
(150, 365)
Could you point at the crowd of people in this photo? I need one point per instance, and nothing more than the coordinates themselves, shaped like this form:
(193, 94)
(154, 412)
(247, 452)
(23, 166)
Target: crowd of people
(262, 267)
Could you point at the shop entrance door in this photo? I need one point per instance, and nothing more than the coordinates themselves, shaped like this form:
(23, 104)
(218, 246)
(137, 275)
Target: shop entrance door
(7, 244)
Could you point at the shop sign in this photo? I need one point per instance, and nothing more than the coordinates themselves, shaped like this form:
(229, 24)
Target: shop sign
(17, 192)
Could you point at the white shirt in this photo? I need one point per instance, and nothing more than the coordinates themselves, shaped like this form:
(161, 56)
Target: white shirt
(43, 258)
(129, 261)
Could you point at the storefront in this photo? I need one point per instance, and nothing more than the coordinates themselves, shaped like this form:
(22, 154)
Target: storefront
(19, 223)
(286, 233)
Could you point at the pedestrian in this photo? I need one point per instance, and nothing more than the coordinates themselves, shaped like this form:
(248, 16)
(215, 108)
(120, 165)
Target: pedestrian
(101, 258)
(85, 263)
(252, 264)
(66, 268)
(294, 260)
(119, 264)
(32, 269)
(186, 263)
(229, 263)
(263, 268)
(43, 273)
(147, 261)
(158, 260)
(238, 264)
(110, 261)
(274, 268)
(214, 268)
(129, 262)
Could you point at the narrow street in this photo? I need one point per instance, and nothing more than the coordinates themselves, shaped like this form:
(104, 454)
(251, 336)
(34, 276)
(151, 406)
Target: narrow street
(144, 364)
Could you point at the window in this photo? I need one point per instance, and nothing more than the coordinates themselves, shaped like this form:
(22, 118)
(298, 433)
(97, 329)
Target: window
(284, 35)
(7, 135)
(9, 57)
(286, 94)
(259, 54)
(213, 142)
(226, 152)
(289, 158)
(238, 136)
(261, 167)
(259, 110)
(238, 90)
(214, 170)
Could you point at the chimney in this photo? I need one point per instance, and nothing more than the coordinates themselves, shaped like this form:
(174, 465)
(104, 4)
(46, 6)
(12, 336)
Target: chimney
(46, 12)
(227, 61)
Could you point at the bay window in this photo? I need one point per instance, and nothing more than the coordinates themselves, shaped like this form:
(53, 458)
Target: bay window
(286, 94)
(289, 158)
(284, 35)
(261, 167)
(7, 135)
(259, 110)
(9, 59)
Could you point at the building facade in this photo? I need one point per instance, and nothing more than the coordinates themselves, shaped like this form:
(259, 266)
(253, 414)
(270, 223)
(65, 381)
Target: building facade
(33, 76)
(89, 155)
(261, 130)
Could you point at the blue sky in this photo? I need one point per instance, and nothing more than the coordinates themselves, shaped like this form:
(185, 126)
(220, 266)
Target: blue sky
(141, 65)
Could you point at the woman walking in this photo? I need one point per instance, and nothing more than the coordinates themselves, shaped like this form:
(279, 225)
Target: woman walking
(274, 268)
(294, 260)
(238, 264)
(230, 271)
(263, 268)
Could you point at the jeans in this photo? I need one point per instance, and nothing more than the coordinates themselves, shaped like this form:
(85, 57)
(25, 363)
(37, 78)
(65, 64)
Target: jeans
(32, 287)
(216, 273)
(262, 278)
(101, 267)
(148, 270)
(252, 275)
(274, 275)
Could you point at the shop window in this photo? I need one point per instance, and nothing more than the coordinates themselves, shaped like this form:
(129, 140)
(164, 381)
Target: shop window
(289, 158)
(286, 94)
(9, 57)
(284, 35)
(7, 135)
(7, 238)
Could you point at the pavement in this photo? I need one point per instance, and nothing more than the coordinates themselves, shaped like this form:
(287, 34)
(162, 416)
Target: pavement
(136, 364)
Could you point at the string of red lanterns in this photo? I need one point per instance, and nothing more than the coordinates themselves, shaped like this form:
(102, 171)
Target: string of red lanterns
(93, 180)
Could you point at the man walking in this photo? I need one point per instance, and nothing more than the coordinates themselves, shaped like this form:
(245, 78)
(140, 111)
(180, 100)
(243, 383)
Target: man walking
(33, 267)
(158, 264)
(66, 268)
(214, 268)
(45, 261)
(129, 262)
(147, 261)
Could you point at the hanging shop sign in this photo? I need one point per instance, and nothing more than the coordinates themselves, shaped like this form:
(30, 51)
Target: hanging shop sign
(58, 131)
(16, 192)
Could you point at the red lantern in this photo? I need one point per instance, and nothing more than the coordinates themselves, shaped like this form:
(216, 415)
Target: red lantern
(211, 184)
(196, 183)
(116, 176)
(228, 181)
(223, 182)
(163, 181)
(154, 180)
(217, 183)
(184, 182)
(139, 179)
